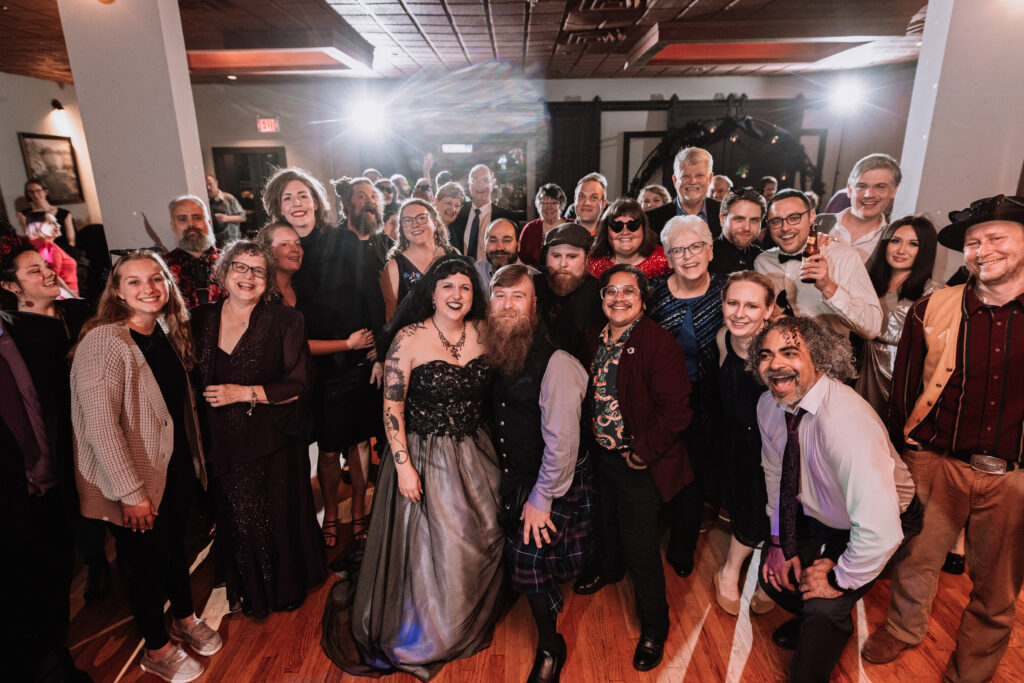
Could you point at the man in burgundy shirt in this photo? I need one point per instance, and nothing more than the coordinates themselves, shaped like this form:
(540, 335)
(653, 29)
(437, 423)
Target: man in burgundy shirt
(957, 410)
(192, 262)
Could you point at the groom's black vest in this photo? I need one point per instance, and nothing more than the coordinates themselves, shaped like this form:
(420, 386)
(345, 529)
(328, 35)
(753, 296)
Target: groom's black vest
(517, 418)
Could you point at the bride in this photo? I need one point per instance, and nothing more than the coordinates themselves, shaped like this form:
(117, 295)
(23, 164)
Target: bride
(429, 587)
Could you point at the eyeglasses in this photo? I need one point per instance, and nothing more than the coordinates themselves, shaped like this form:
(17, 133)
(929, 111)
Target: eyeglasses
(628, 291)
(791, 219)
(421, 219)
(242, 269)
(697, 248)
(551, 202)
(385, 188)
(423, 186)
(632, 225)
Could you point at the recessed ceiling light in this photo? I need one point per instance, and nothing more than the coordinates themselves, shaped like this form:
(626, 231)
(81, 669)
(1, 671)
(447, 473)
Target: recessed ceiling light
(232, 77)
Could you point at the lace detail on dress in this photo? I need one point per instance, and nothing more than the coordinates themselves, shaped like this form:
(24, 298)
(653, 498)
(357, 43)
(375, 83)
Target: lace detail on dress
(445, 399)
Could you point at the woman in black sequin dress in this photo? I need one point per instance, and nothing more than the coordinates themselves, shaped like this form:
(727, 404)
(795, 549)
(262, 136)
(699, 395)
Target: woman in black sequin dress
(429, 587)
(254, 368)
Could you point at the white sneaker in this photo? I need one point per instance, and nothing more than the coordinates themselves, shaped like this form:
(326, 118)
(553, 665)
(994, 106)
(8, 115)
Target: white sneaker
(201, 638)
(177, 667)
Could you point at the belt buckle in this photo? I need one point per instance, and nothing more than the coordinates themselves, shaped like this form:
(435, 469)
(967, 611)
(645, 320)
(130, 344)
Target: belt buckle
(987, 464)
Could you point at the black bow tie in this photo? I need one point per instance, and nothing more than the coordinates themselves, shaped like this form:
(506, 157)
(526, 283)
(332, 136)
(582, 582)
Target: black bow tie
(783, 257)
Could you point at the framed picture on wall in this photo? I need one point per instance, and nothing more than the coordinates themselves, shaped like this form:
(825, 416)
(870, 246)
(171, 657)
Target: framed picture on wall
(51, 158)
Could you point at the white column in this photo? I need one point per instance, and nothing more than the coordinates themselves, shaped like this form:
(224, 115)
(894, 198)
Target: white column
(964, 137)
(132, 82)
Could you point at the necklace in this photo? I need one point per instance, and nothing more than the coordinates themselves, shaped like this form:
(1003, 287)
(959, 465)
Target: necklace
(455, 348)
(237, 320)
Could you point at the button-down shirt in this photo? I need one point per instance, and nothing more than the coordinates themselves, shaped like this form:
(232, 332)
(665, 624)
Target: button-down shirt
(485, 220)
(607, 424)
(562, 390)
(981, 408)
(865, 244)
(703, 213)
(195, 276)
(850, 475)
(853, 307)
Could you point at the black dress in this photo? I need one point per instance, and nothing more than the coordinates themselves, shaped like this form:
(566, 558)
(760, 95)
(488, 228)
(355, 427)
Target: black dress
(745, 493)
(430, 585)
(267, 534)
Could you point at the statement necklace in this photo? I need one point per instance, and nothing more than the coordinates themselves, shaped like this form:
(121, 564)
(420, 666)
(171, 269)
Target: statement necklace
(455, 348)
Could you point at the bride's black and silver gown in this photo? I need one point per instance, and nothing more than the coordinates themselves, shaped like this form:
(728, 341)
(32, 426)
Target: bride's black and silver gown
(429, 588)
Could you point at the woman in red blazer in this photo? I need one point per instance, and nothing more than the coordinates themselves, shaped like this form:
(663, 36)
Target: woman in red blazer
(637, 408)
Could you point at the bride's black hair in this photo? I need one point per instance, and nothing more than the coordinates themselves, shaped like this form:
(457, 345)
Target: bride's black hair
(418, 304)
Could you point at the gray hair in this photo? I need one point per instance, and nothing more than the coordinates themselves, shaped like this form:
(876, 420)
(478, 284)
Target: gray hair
(596, 177)
(727, 179)
(830, 352)
(678, 224)
(449, 190)
(874, 162)
(181, 199)
(692, 155)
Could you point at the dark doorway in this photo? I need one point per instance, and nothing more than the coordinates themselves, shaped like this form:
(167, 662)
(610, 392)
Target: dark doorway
(243, 171)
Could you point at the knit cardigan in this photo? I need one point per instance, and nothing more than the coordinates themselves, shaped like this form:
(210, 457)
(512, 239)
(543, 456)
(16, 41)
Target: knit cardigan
(123, 433)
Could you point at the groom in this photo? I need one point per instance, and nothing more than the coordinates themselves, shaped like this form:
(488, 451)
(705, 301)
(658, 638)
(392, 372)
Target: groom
(546, 487)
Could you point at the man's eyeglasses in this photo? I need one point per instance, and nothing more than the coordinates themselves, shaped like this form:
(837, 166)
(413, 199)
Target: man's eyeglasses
(632, 225)
(628, 291)
(791, 219)
(242, 269)
(697, 248)
(421, 219)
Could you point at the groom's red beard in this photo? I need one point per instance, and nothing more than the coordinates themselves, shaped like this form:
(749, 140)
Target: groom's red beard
(562, 283)
(510, 339)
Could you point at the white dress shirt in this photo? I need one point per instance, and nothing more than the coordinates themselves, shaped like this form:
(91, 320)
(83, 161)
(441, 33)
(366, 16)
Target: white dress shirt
(865, 244)
(485, 220)
(854, 306)
(851, 477)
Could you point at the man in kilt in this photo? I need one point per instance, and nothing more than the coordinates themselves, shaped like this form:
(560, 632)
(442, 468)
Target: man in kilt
(546, 487)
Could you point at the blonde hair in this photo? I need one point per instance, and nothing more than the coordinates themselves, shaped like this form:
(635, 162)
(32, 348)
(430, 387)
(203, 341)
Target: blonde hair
(174, 317)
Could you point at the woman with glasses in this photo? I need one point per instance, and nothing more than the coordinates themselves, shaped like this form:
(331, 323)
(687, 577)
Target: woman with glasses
(687, 302)
(138, 452)
(421, 241)
(625, 236)
(550, 203)
(638, 407)
(255, 368)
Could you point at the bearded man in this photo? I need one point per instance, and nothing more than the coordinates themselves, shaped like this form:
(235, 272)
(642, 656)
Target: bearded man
(192, 261)
(546, 483)
(361, 202)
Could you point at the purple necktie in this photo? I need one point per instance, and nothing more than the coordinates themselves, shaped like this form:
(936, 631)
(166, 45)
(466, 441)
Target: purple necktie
(788, 504)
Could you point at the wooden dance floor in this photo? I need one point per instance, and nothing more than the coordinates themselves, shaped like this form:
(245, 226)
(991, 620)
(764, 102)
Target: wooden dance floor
(601, 631)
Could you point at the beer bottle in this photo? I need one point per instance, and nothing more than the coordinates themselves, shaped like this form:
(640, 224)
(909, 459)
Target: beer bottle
(811, 249)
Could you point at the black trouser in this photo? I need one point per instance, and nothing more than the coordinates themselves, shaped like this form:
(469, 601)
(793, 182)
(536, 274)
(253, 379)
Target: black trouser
(826, 623)
(91, 539)
(42, 554)
(628, 507)
(157, 560)
(686, 510)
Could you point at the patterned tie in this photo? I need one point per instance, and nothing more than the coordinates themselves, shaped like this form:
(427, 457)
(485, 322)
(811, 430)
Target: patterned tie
(788, 504)
(474, 235)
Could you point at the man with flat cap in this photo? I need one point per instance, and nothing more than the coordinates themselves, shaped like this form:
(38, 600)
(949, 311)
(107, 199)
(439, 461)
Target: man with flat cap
(567, 295)
(955, 407)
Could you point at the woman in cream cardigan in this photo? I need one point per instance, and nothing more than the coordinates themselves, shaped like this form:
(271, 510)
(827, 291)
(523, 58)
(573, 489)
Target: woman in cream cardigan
(137, 451)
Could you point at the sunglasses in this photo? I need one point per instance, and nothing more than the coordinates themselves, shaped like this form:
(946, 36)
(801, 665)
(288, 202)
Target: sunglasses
(632, 226)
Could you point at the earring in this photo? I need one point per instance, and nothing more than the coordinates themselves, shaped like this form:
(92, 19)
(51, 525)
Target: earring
(433, 304)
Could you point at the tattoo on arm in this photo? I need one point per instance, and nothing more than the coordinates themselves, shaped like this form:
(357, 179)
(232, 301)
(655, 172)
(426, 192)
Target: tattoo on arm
(401, 457)
(390, 422)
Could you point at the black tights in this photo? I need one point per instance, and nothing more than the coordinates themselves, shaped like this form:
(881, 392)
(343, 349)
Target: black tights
(547, 622)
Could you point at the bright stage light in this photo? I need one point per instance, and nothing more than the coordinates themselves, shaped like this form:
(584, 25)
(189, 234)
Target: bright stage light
(369, 117)
(846, 96)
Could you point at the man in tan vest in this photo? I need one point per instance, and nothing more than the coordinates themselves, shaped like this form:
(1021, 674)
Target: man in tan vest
(958, 407)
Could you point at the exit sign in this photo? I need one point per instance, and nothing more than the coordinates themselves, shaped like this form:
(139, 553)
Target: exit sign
(268, 125)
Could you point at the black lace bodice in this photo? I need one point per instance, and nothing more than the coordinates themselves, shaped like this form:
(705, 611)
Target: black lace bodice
(446, 399)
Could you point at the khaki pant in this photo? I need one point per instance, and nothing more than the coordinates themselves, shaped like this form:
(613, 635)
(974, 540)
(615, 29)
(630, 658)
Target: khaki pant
(953, 493)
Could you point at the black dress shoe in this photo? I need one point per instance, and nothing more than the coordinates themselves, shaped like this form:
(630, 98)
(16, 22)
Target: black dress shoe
(98, 582)
(648, 653)
(954, 564)
(787, 635)
(292, 606)
(547, 665)
(591, 582)
(683, 569)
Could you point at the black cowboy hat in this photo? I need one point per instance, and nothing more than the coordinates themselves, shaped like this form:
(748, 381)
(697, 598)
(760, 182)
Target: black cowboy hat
(998, 208)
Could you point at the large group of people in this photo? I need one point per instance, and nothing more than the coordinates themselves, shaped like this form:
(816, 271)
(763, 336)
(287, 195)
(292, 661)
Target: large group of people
(547, 400)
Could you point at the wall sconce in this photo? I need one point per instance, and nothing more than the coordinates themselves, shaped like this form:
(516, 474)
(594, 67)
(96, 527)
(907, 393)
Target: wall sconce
(57, 106)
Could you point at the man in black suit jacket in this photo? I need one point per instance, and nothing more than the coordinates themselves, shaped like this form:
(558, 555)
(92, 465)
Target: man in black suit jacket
(38, 503)
(479, 212)
(693, 173)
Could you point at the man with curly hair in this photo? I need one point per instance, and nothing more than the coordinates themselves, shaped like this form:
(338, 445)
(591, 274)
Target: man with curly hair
(836, 490)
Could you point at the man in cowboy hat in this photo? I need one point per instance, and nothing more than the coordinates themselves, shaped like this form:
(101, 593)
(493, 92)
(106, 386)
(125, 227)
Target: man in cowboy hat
(955, 408)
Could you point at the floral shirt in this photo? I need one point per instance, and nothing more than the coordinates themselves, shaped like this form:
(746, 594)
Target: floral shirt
(606, 419)
(195, 276)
